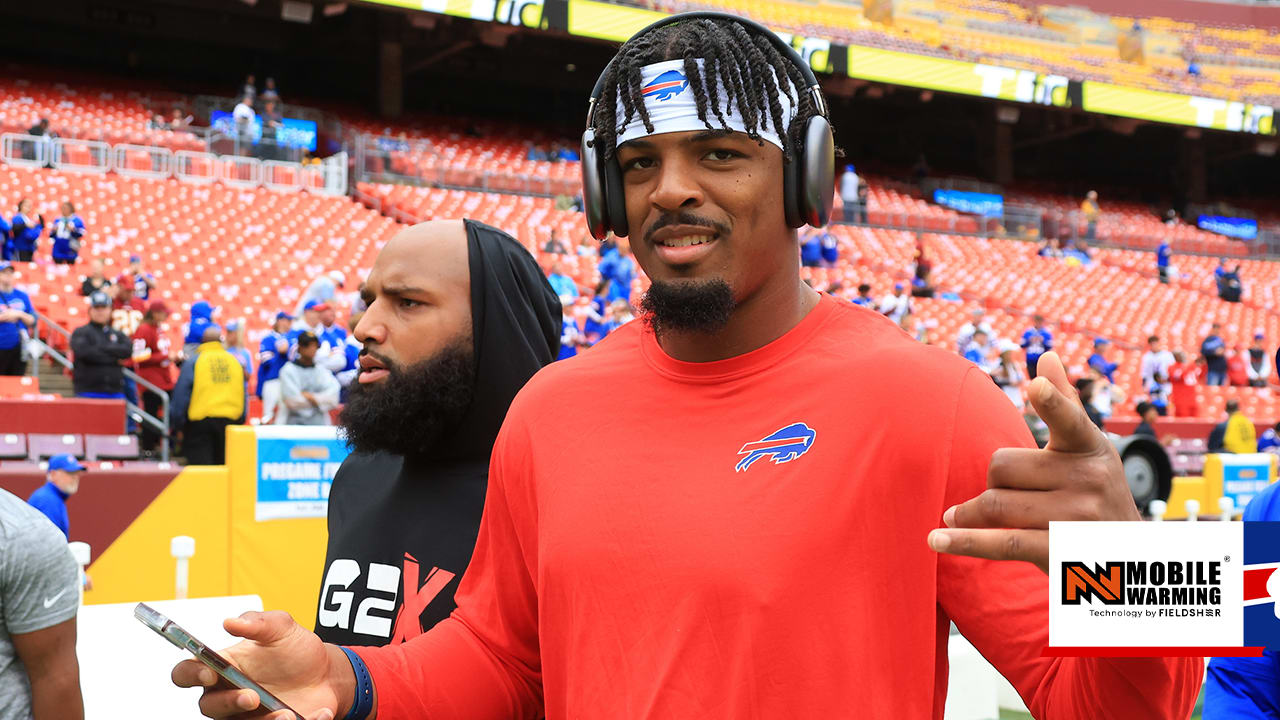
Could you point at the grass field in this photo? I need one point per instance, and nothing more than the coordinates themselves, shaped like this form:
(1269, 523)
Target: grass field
(1012, 715)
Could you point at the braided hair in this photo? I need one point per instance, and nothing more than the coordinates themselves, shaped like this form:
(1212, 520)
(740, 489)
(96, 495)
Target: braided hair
(740, 58)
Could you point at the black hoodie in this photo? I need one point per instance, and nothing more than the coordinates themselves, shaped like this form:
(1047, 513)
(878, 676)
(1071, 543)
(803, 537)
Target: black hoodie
(405, 526)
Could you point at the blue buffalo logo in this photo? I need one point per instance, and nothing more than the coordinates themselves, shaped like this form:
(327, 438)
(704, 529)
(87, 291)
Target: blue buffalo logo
(665, 86)
(782, 446)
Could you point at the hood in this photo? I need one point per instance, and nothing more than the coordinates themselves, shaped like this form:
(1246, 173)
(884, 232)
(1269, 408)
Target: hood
(515, 321)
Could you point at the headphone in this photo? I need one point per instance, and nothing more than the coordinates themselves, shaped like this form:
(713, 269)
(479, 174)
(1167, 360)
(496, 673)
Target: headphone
(808, 181)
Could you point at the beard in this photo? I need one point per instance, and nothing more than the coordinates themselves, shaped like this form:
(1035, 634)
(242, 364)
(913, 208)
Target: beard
(410, 410)
(698, 306)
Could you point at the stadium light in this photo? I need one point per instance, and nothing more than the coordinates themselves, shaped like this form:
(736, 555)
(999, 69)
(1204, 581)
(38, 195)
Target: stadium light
(1266, 147)
(334, 9)
(1008, 114)
(295, 11)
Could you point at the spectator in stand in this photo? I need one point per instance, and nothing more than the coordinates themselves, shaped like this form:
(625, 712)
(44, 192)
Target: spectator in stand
(562, 283)
(96, 280)
(238, 349)
(42, 131)
(209, 396)
(975, 324)
(179, 122)
(244, 118)
(26, 231)
(272, 122)
(62, 480)
(978, 351)
(897, 305)
(153, 357)
(17, 316)
(1230, 287)
(622, 314)
(864, 196)
(863, 297)
(1258, 362)
(1089, 209)
(1237, 368)
(249, 91)
(157, 122)
(334, 336)
(39, 672)
(1214, 351)
(1156, 362)
(1220, 271)
(66, 232)
(619, 268)
(811, 249)
(1085, 389)
(1008, 374)
(1147, 424)
(1036, 341)
(1269, 440)
(127, 310)
(273, 354)
(6, 238)
(323, 289)
(554, 245)
(308, 390)
(201, 317)
(830, 247)
(1183, 378)
(849, 192)
(1052, 248)
(571, 337)
(1240, 435)
(269, 92)
(351, 348)
(1098, 360)
(143, 282)
(99, 352)
(1163, 253)
(922, 266)
(1106, 394)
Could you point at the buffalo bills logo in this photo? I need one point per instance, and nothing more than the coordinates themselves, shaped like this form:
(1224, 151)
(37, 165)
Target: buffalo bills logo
(782, 446)
(1262, 584)
(665, 86)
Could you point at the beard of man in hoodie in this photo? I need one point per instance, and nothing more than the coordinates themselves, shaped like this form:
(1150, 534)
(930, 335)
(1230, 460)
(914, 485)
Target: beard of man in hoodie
(408, 412)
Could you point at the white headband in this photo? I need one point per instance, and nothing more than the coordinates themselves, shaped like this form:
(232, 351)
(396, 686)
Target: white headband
(672, 107)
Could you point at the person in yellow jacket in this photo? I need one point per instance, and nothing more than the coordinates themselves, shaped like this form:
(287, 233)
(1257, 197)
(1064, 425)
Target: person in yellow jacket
(1240, 436)
(210, 395)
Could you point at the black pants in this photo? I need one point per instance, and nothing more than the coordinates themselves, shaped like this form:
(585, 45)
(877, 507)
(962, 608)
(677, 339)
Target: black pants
(11, 362)
(25, 255)
(150, 436)
(1031, 369)
(64, 261)
(205, 441)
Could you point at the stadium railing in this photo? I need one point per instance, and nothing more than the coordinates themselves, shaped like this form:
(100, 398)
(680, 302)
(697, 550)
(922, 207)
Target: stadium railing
(159, 424)
(328, 177)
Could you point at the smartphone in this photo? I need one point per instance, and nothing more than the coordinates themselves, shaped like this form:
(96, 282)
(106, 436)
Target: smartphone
(176, 635)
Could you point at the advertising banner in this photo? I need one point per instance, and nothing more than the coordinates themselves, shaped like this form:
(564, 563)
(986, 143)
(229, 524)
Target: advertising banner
(296, 465)
(1242, 228)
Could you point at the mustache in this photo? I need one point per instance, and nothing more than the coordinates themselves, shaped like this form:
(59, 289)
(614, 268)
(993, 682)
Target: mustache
(683, 218)
(387, 362)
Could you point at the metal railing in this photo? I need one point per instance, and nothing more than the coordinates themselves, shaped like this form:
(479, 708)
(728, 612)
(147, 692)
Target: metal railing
(159, 424)
(387, 159)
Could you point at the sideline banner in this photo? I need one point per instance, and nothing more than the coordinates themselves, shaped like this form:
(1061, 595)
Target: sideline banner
(1126, 589)
(296, 465)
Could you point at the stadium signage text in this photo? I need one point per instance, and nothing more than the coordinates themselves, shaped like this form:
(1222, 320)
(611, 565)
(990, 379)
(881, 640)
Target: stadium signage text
(1242, 228)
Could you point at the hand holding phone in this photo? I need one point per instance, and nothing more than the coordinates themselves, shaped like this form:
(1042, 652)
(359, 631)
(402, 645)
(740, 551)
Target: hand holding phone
(283, 658)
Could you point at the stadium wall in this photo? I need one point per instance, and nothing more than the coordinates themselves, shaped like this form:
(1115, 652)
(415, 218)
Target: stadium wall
(1208, 13)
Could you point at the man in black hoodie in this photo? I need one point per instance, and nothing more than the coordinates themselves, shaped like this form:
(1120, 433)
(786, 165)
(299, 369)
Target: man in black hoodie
(459, 318)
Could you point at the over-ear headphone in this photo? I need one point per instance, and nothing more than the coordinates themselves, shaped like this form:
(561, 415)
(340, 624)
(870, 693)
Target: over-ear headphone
(808, 182)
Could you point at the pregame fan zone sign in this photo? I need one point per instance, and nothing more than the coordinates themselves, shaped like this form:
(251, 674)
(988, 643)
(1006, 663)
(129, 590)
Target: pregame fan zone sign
(296, 465)
(1203, 588)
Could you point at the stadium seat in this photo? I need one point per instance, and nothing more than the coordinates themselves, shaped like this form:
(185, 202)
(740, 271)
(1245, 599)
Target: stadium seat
(110, 447)
(18, 385)
(13, 446)
(41, 446)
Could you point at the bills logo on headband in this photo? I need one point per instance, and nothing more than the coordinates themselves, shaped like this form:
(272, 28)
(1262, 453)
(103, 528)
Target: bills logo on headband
(782, 446)
(1262, 584)
(666, 86)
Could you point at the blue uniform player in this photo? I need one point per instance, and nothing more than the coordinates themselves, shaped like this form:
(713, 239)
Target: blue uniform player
(273, 354)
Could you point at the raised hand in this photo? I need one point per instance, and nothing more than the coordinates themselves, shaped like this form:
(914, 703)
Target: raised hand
(1077, 476)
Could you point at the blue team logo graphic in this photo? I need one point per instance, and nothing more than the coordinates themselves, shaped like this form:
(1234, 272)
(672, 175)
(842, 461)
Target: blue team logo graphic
(1262, 584)
(782, 446)
(666, 86)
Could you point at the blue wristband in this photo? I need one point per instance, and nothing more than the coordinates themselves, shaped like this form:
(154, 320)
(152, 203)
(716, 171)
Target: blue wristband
(364, 688)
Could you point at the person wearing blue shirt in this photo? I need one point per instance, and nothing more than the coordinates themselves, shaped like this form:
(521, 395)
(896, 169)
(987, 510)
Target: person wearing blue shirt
(570, 336)
(1214, 350)
(1236, 688)
(864, 297)
(1036, 341)
(201, 317)
(273, 354)
(26, 231)
(619, 268)
(1163, 253)
(62, 481)
(829, 248)
(6, 239)
(562, 284)
(16, 315)
(811, 250)
(1270, 438)
(1098, 360)
(66, 232)
(143, 281)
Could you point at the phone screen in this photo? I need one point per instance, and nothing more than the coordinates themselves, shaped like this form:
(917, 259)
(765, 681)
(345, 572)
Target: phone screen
(183, 639)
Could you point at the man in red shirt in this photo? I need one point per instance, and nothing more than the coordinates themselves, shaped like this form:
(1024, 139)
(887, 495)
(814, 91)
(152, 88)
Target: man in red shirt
(152, 356)
(736, 541)
(126, 310)
(1184, 376)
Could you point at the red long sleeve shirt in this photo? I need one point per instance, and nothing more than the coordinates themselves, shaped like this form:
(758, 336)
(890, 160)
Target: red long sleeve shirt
(629, 566)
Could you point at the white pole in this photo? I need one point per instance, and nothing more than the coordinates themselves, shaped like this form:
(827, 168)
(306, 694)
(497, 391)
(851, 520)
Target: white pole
(181, 548)
(1193, 510)
(1228, 507)
(80, 551)
(1157, 508)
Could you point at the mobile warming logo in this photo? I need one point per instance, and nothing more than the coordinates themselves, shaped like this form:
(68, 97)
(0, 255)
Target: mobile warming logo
(1171, 589)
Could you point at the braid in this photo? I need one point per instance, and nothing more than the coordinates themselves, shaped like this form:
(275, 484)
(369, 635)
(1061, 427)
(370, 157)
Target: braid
(749, 68)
